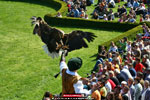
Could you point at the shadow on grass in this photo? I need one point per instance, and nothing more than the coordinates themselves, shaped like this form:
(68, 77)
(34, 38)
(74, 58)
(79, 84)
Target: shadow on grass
(37, 2)
(79, 27)
(94, 56)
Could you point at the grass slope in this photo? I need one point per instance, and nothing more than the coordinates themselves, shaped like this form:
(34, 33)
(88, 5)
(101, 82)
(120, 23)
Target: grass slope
(26, 71)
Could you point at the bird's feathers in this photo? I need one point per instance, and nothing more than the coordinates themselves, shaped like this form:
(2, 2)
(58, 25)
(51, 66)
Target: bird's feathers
(55, 39)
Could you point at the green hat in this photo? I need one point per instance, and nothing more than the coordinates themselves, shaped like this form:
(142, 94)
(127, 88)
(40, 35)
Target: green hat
(74, 63)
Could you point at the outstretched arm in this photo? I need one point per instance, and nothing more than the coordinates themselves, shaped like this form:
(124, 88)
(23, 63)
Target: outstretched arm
(63, 64)
(63, 56)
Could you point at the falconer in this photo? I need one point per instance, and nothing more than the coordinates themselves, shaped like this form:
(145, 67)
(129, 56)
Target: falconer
(71, 80)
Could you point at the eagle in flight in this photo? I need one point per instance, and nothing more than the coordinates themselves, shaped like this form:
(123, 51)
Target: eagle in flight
(56, 40)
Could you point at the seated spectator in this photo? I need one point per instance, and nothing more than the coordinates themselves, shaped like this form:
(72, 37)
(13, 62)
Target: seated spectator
(118, 11)
(111, 15)
(140, 10)
(136, 4)
(58, 14)
(141, 18)
(86, 16)
(105, 17)
(82, 13)
(121, 19)
(136, 51)
(147, 19)
(145, 61)
(100, 69)
(113, 48)
(95, 15)
(132, 12)
(110, 57)
(102, 53)
(76, 12)
(125, 17)
(131, 19)
(147, 32)
(115, 63)
(83, 4)
(111, 4)
(128, 46)
(123, 10)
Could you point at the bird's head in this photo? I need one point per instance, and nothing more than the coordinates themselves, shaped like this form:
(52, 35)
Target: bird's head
(36, 23)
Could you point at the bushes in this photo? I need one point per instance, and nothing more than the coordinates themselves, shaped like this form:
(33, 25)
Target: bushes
(62, 5)
(97, 24)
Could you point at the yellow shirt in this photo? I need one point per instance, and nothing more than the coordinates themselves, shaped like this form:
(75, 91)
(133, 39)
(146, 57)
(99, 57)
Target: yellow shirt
(96, 95)
(103, 91)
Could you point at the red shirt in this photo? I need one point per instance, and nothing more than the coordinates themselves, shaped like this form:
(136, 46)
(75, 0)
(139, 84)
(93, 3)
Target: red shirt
(113, 85)
(139, 67)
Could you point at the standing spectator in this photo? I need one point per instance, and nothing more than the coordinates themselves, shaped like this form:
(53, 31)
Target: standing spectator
(113, 78)
(147, 76)
(125, 94)
(126, 73)
(132, 70)
(96, 94)
(132, 88)
(110, 96)
(117, 93)
(138, 89)
(119, 76)
(139, 67)
(103, 90)
(146, 91)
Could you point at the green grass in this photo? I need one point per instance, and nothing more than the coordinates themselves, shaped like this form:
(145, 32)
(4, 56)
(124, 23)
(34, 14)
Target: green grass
(26, 72)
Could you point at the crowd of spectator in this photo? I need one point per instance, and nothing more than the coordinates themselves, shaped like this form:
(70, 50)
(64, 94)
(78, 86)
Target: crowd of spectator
(104, 10)
(137, 7)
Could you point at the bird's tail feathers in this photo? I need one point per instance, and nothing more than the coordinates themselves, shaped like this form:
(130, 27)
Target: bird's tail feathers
(52, 54)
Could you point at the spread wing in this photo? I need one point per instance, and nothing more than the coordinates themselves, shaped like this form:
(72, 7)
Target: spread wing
(75, 40)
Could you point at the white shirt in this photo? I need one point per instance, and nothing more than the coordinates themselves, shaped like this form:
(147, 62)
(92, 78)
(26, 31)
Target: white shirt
(78, 87)
(108, 87)
(143, 94)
